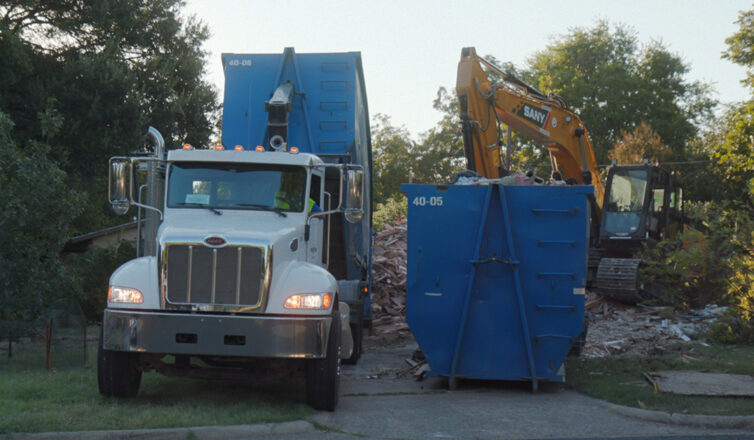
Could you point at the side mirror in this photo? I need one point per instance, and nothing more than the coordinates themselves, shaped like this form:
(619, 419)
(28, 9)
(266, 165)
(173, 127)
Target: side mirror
(354, 195)
(118, 185)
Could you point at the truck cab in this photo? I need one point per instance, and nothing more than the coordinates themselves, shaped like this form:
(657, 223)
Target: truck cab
(256, 257)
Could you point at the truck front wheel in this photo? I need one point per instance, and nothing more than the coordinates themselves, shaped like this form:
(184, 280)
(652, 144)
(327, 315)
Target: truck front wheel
(323, 375)
(118, 373)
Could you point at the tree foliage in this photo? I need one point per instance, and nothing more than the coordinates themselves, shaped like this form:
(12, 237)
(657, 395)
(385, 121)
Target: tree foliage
(640, 143)
(733, 150)
(108, 69)
(741, 45)
(35, 211)
(441, 148)
(435, 158)
(390, 211)
(394, 157)
(614, 85)
(81, 81)
(734, 153)
(89, 274)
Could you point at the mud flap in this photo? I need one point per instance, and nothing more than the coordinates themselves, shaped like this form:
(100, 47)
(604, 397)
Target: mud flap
(346, 339)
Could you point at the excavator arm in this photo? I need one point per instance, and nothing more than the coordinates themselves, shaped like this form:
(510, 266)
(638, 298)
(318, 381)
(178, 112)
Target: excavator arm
(544, 119)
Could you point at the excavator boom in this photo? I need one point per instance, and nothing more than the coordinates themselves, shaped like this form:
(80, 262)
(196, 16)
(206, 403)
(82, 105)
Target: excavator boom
(543, 119)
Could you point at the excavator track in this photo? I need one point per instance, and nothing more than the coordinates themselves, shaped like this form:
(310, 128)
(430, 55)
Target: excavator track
(618, 278)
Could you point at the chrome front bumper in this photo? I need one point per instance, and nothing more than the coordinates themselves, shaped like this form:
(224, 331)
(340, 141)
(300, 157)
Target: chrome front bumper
(215, 335)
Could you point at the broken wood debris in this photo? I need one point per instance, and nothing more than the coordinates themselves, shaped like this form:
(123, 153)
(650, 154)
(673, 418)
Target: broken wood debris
(617, 329)
(389, 278)
(417, 366)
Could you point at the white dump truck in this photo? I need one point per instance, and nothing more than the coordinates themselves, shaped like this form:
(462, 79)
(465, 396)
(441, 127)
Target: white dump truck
(255, 255)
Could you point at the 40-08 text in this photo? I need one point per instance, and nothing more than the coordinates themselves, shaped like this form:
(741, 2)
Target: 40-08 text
(424, 201)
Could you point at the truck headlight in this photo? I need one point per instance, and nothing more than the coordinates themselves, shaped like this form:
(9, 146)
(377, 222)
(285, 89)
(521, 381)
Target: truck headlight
(309, 301)
(124, 295)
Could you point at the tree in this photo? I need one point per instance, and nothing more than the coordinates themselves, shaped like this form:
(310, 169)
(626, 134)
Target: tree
(439, 153)
(35, 211)
(741, 45)
(110, 69)
(734, 156)
(638, 144)
(614, 85)
(394, 157)
(733, 150)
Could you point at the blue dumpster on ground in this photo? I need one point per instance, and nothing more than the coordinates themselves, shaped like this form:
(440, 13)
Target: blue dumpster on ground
(496, 278)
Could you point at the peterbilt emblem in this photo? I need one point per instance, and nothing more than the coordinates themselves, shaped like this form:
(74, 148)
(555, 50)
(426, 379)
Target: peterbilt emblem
(214, 241)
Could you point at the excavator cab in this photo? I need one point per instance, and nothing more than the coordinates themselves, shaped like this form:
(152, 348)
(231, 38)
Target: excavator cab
(643, 203)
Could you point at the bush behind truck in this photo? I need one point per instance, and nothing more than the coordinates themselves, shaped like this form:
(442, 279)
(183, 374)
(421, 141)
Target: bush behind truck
(255, 256)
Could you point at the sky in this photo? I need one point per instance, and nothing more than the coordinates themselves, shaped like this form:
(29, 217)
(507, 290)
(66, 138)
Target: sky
(410, 48)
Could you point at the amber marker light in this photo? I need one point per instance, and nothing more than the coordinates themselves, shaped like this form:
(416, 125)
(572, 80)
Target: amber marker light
(326, 301)
(294, 150)
(238, 148)
(188, 147)
(219, 147)
(259, 148)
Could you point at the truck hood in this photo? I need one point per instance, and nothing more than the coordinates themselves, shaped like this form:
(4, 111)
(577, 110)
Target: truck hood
(236, 227)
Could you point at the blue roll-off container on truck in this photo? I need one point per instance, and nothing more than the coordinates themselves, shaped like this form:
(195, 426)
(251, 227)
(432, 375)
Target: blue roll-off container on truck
(257, 252)
(496, 278)
(328, 116)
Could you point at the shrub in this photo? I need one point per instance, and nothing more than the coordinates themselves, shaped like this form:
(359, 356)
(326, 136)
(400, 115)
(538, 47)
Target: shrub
(90, 273)
(711, 266)
(394, 209)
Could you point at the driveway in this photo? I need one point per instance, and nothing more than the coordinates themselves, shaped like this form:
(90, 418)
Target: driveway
(376, 403)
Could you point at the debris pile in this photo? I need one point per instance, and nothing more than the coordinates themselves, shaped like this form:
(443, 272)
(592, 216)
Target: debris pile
(617, 329)
(389, 278)
(614, 328)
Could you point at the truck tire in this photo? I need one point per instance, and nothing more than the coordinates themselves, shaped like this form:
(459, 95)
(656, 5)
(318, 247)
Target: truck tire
(118, 373)
(357, 333)
(323, 375)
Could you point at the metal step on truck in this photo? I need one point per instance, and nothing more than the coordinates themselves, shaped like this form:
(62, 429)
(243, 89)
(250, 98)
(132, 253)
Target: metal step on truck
(255, 257)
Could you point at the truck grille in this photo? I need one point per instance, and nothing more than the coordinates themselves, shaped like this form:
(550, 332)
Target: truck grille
(232, 275)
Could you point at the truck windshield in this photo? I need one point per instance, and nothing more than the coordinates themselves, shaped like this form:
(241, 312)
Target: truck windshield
(625, 201)
(236, 186)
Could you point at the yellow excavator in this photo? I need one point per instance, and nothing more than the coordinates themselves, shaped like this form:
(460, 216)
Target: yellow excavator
(638, 203)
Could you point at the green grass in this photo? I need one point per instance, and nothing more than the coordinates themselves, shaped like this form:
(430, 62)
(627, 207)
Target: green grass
(35, 400)
(620, 380)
